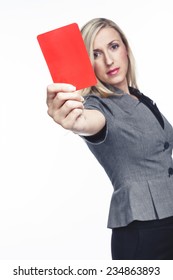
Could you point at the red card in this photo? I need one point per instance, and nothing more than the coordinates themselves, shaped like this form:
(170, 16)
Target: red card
(66, 56)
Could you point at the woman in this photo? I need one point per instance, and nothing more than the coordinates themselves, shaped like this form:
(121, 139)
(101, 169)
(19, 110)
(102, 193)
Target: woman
(129, 137)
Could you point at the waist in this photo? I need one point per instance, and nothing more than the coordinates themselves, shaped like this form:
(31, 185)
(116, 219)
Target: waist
(151, 223)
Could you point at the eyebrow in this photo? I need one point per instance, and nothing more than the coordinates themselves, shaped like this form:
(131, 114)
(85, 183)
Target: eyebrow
(109, 44)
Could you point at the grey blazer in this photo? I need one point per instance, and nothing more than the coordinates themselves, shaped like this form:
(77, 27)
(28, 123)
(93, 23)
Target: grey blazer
(136, 153)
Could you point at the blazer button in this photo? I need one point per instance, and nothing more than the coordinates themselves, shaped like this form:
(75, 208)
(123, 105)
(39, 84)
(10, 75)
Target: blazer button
(166, 145)
(170, 171)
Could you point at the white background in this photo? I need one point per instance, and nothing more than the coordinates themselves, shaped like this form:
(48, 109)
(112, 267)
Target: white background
(54, 196)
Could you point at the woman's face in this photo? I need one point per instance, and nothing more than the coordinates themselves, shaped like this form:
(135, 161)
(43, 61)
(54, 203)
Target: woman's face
(110, 58)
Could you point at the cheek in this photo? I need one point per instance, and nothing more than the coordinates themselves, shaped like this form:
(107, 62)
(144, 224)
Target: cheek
(124, 57)
(97, 68)
(124, 61)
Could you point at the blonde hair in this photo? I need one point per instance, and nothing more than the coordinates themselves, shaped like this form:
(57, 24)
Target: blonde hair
(89, 32)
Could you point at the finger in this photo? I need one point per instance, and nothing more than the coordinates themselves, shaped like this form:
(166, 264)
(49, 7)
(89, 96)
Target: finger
(56, 87)
(69, 106)
(60, 114)
(60, 100)
(62, 97)
(53, 89)
(70, 121)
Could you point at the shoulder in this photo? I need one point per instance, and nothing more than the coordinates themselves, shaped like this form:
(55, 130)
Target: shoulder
(105, 104)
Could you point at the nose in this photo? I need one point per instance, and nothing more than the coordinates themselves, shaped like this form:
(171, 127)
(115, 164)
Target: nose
(108, 59)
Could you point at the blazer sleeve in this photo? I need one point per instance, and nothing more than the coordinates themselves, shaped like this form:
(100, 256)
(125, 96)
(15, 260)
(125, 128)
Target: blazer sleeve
(94, 102)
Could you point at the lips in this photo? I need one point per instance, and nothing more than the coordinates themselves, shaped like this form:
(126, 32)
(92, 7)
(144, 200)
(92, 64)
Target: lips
(113, 71)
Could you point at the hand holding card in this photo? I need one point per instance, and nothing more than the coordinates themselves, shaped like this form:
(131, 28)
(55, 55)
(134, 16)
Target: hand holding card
(66, 56)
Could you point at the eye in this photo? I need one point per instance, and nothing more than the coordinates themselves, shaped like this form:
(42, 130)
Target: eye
(96, 54)
(115, 46)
